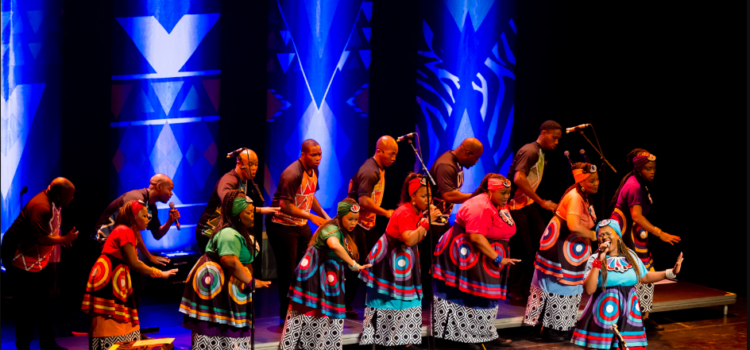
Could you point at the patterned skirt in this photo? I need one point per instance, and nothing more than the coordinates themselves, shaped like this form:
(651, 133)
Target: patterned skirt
(205, 342)
(463, 324)
(104, 343)
(306, 332)
(109, 291)
(395, 269)
(392, 327)
(562, 253)
(558, 312)
(615, 306)
(319, 284)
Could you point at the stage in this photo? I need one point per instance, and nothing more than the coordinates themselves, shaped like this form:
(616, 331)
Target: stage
(679, 295)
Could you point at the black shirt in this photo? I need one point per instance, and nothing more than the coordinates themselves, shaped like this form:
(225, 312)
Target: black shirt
(297, 187)
(106, 221)
(449, 176)
(230, 181)
(367, 182)
(530, 161)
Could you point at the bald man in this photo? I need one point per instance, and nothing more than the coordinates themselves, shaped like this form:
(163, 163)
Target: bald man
(448, 172)
(29, 245)
(367, 187)
(239, 178)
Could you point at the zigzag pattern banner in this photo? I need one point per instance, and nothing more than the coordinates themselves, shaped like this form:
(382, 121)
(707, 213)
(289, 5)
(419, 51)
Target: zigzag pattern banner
(317, 80)
(465, 81)
(31, 100)
(165, 104)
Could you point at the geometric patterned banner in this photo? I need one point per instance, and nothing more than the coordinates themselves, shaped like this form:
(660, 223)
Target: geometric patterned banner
(30, 104)
(318, 87)
(465, 81)
(165, 105)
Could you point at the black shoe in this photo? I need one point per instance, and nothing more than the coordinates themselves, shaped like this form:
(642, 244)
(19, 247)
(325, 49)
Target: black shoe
(552, 335)
(651, 325)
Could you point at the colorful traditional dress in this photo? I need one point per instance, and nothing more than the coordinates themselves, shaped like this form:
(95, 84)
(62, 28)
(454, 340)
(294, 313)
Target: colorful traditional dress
(109, 298)
(557, 284)
(468, 284)
(633, 235)
(393, 313)
(217, 305)
(616, 305)
(315, 319)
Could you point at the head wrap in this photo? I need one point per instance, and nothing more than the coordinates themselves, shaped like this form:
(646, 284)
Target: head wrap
(416, 183)
(240, 204)
(137, 206)
(583, 174)
(639, 161)
(346, 208)
(611, 223)
(494, 184)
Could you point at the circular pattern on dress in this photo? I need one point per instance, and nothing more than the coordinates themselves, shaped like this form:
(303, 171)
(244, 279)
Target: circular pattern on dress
(462, 252)
(634, 309)
(576, 250)
(443, 242)
(235, 290)
(607, 308)
(402, 261)
(308, 265)
(121, 286)
(329, 278)
(489, 264)
(551, 233)
(209, 277)
(640, 237)
(378, 251)
(100, 274)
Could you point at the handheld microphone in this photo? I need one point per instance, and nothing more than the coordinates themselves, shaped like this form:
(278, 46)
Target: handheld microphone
(583, 154)
(567, 155)
(176, 221)
(576, 128)
(604, 247)
(407, 136)
(235, 152)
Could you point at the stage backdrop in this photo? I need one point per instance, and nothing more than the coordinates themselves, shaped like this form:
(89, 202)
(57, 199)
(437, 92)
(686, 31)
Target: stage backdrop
(165, 105)
(317, 80)
(465, 81)
(31, 100)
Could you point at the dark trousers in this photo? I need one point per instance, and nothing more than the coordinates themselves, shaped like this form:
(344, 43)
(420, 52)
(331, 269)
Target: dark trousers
(365, 240)
(524, 245)
(32, 296)
(426, 253)
(289, 244)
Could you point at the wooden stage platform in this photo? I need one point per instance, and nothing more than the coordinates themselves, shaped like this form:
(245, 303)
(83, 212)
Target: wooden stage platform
(668, 296)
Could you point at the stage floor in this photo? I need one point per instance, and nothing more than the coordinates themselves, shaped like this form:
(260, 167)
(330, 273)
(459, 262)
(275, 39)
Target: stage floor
(668, 297)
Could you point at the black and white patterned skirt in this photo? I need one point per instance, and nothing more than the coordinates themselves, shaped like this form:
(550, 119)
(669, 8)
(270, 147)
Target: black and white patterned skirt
(104, 343)
(392, 327)
(311, 333)
(558, 312)
(463, 324)
(205, 342)
(645, 296)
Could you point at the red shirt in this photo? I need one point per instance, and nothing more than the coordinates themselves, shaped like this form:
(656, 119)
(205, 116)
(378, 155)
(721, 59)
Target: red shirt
(119, 237)
(403, 219)
(479, 215)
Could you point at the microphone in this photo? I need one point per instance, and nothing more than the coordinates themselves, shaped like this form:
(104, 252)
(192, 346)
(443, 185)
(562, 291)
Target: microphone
(567, 155)
(576, 128)
(583, 154)
(407, 136)
(176, 221)
(235, 152)
(604, 247)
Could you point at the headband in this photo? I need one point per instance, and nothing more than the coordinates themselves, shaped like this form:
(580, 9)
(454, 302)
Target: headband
(137, 206)
(639, 161)
(611, 223)
(581, 174)
(494, 184)
(346, 208)
(416, 183)
(240, 204)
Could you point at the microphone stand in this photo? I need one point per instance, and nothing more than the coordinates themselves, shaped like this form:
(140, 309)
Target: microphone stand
(603, 170)
(430, 344)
